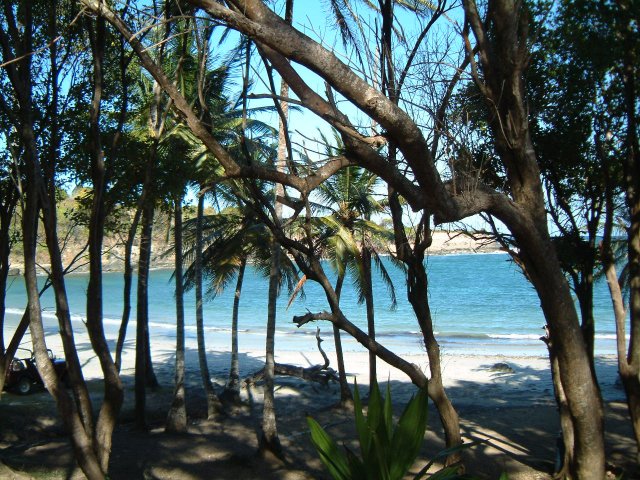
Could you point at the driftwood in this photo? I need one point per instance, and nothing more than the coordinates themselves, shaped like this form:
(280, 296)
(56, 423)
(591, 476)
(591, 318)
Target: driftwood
(322, 374)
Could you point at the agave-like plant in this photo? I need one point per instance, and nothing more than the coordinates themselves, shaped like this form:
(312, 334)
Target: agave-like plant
(387, 451)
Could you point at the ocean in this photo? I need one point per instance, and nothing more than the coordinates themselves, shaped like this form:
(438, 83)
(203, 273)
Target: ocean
(481, 304)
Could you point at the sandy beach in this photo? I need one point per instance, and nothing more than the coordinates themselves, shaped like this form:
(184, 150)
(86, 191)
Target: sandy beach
(510, 408)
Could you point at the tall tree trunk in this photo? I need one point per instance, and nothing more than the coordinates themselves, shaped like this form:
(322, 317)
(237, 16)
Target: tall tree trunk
(142, 317)
(417, 288)
(177, 417)
(629, 365)
(418, 295)
(566, 443)
(346, 397)
(76, 418)
(113, 386)
(128, 282)
(232, 389)
(269, 440)
(504, 57)
(574, 366)
(80, 440)
(625, 367)
(213, 402)
(367, 278)
(585, 302)
(7, 211)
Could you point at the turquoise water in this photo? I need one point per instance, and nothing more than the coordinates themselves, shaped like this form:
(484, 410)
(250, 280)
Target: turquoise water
(481, 304)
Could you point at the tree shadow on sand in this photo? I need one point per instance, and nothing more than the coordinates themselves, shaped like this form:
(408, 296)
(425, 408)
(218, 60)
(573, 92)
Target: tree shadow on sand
(513, 413)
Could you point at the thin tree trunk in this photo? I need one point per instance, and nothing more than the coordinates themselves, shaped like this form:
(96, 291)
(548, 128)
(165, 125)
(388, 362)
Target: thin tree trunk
(113, 386)
(269, 440)
(6, 215)
(345, 392)
(232, 389)
(177, 417)
(566, 440)
(213, 403)
(12, 348)
(417, 288)
(588, 324)
(78, 423)
(128, 281)
(371, 324)
(417, 294)
(80, 440)
(141, 367)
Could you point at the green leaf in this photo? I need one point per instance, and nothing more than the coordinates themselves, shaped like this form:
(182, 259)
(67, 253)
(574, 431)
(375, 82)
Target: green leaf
(409, 434)
(364, 434)
(357, 468)
(335, 461)
(388, 412)
(375, 414)
(445, 453)
(447, 473)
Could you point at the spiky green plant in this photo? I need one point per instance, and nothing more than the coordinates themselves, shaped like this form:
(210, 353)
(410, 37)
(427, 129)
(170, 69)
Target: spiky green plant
(387, 451)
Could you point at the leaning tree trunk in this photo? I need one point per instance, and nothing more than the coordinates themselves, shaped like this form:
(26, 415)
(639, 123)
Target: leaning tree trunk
(232, 389)
(502, 53)
(7, 211)
(128, 282)
(74, 417)
(346, 397)
(417, 287)
(580, 389)
(177, 417)
(418, 296)
(368, 298)
(213, 403)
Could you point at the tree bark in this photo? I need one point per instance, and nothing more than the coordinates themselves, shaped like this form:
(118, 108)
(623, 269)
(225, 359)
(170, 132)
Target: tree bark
(503, 56)
(7, 210)
(142, 315)
(269, 440)
(346, 398)
(114, 395)
(128, 282)
(177, 417)
(232, 389)
(418, 295)
(213, 403)
(371, 324)
(629, 365)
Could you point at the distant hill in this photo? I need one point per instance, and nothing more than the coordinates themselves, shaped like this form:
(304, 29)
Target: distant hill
(72, 231)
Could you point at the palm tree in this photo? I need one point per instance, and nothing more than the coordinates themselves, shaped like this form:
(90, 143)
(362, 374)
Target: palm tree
(355, 244)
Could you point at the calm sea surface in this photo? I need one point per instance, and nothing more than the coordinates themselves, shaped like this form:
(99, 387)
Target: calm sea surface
(481, 304)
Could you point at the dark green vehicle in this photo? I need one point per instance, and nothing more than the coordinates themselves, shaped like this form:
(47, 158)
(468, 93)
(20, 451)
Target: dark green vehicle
(22, 375)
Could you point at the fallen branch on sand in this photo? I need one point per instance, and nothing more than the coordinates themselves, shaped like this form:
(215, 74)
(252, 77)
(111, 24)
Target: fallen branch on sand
(315, 373)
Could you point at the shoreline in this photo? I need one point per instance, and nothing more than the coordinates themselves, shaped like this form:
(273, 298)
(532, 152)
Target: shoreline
(504, 401)
(477, 379)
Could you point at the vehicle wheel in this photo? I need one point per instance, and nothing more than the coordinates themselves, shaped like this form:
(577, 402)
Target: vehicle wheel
(24, 386)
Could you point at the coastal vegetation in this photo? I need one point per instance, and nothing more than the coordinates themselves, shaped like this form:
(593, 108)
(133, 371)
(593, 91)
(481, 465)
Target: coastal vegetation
(311, 151)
